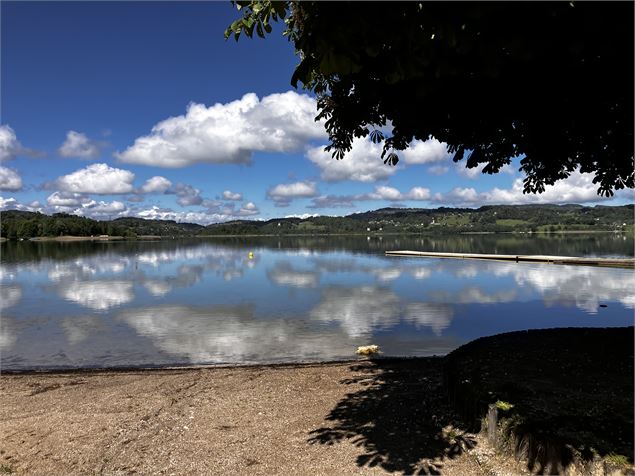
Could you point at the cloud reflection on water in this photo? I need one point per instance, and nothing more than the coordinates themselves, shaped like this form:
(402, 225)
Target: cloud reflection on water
(233, 334)
(582, 286)
(338, 300)
(8, 333)
(358, 310)
(9, 296)
(78, 329)
(283, 274)
(98, 295)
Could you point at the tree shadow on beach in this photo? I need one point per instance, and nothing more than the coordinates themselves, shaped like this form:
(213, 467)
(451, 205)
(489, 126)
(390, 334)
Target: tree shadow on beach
(401, 418)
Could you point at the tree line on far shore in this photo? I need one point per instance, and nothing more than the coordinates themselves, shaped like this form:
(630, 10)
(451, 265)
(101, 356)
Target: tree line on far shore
(16, 224)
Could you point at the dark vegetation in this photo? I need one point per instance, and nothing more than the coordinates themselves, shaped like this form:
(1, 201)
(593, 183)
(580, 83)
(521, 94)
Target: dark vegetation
(564, 394)
(565, 397)
(549, 81)
(498, 218)
(18, 224)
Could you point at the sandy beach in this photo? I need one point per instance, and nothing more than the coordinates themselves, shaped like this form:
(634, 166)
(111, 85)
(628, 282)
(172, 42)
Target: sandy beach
(300, 419)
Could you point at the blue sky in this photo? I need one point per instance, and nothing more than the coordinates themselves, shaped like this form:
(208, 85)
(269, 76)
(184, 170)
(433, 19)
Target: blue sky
(143, 109)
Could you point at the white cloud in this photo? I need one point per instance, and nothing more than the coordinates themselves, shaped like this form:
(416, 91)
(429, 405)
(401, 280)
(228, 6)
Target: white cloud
(577, 188)
(229, 133)
(9, 179)
(156, 184)
(393, 195)
(187, 195)
(458, 196)
(9, 145)
(135, 198)
(77, 204)
(156, 213)
(332, 201)
(362, 163)
(12, 204)
(417, 193)
(386, 193)
(248, 209)
(229, 195)
(98, 179)
(65, 199)
(95, 209)
(303, 216)
(79, 145)
(282, 194)
(203, 218)
(7, 203)
(476, 172)
(472, 173)
(430, 151)
(382, 192)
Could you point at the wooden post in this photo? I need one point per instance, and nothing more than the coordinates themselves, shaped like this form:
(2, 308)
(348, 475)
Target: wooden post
(492, 423)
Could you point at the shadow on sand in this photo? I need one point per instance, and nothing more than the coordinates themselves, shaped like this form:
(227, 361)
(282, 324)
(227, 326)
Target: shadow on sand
(401, 418)
(563, 397)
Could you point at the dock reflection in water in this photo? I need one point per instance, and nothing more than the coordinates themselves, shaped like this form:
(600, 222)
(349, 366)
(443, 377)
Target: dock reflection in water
(208, 302)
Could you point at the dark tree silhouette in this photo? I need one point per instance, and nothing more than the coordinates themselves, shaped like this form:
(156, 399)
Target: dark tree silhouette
(549, 81)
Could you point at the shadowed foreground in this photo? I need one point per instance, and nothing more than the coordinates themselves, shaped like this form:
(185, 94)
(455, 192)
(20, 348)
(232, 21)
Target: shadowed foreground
(400, 419)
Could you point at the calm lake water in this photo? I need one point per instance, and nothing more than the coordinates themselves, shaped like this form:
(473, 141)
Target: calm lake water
(299, 299)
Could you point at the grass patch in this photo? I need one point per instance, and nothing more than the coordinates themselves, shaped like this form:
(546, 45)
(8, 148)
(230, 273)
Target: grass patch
(511, 222)
(505, 406)
(6, 469)
(617, 459)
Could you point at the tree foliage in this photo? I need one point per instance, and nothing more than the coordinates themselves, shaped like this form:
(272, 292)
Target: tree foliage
(17, 224)
(549, 81)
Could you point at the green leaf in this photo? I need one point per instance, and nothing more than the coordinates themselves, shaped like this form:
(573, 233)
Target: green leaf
(376, 136)
(392, 159)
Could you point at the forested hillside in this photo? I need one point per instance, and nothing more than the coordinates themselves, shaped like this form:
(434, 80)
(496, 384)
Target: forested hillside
(499, 218)
(17, 224)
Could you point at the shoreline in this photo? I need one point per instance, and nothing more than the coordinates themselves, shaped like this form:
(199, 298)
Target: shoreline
(70, 238)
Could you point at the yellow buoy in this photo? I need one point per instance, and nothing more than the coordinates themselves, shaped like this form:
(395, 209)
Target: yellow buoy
(251, 255)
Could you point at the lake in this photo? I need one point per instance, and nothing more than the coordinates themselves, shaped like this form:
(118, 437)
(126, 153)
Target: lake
(205, 301)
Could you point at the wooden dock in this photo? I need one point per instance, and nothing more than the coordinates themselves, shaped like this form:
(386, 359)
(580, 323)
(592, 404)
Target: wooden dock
(572, 260)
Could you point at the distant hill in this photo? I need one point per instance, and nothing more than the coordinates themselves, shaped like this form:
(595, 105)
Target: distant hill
(497, 218)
